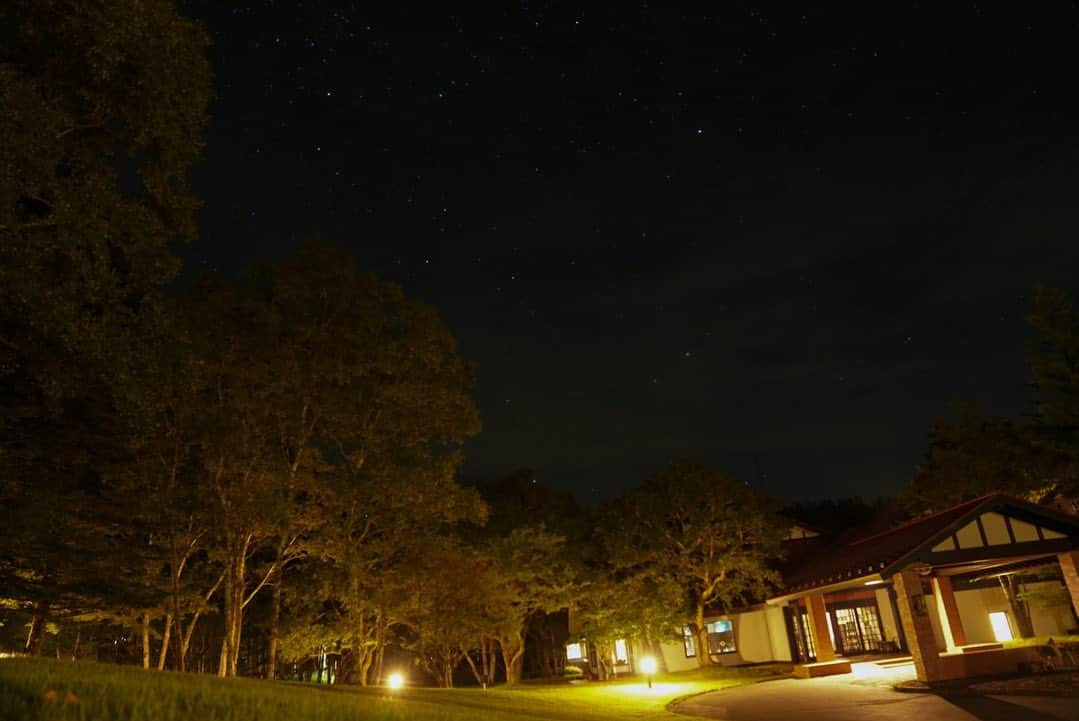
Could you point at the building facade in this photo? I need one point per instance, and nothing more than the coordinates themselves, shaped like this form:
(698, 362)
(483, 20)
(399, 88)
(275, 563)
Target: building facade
(942, 588)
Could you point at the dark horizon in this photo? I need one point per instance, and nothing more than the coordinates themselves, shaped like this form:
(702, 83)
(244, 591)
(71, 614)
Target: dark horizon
(779, 240)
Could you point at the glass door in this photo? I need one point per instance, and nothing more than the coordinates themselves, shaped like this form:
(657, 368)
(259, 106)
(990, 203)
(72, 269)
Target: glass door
(847, 637)
(869, 625)
(857, 628)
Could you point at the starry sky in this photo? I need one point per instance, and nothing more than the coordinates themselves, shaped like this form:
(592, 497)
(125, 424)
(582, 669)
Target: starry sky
(778, 238)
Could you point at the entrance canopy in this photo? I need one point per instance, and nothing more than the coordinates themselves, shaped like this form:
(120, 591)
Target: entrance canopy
(991, 530)
(917, 563)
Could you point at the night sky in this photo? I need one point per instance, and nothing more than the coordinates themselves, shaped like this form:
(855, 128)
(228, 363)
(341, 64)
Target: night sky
(779, 239)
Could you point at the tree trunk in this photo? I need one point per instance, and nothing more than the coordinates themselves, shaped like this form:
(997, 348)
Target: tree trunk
(380, 647)
(185, 642)
(75, 647)
(485, 672)
(490, 661)
(146, 640)
(1020, 609)
(513, 648)
(700, 636)
(165, 637)
(35, 639)
(361, 657)
(448, 665)
(366, 663)
(605, 661)
(189, 632)
(234, 607)
(275, 628)
(174, 614)
(475, 671)
(223, 662)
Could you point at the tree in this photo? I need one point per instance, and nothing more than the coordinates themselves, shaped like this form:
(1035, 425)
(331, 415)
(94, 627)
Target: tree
(520, 500)
(611, 605)
(1054, 360)
(694, 528)
(390, 514)
(445, 616)
(531, 574)
(103, 106)
(161, 466)
(977, 453)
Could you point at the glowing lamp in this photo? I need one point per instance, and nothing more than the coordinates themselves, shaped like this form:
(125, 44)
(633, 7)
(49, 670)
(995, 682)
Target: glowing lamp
(395, 681)
(648, 666)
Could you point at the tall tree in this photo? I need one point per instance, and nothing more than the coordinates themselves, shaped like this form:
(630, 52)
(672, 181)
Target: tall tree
(358, 401)
(389, 515)
(531, 574)
(445, 616)
(103, 106)
(975, 453)
(520, 500)
(700, 530)
(1054, 360)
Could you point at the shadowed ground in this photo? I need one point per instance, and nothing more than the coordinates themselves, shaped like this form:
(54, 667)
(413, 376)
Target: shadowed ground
(867, 695)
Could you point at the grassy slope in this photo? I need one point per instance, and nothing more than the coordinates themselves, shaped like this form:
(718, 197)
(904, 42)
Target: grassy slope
(36, 689)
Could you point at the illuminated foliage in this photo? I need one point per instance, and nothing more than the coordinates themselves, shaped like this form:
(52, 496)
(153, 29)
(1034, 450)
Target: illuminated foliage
(693, 528)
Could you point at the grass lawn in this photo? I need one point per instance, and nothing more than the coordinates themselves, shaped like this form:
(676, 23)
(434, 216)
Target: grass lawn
(45, 690)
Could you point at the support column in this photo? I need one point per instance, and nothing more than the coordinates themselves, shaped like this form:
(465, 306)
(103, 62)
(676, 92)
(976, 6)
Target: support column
(950, 622)
(1069, 567)
(914, 616)
(818, 621)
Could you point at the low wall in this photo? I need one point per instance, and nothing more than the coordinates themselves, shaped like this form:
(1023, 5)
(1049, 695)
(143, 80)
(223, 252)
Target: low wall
(986, 663)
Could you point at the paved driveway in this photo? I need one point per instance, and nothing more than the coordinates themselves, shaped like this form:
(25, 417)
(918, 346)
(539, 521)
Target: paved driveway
(867, 695)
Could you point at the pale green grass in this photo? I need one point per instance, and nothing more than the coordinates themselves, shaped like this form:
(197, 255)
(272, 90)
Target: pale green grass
(44, 690)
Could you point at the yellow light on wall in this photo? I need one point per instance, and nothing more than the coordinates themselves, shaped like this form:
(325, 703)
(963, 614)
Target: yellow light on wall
(395, 680)
(1002, 630)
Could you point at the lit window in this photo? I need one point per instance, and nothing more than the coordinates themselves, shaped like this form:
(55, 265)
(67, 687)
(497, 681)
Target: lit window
(573, 651)
(688, 642)
(1002, 630)
(721, 636)
(620, 655)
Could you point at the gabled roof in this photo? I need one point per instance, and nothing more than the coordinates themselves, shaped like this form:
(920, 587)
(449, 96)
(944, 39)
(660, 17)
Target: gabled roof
(888, 552)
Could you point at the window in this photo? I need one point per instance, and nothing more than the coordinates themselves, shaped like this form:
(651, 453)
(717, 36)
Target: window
(1002, 630)
(620, 655)
(688, 642)
(721, 636)
(573, 652)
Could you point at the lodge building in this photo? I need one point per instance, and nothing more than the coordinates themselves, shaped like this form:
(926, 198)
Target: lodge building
(935, 588)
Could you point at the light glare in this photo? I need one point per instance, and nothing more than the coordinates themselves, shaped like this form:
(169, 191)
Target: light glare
(395, 680)
(1002, 630)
